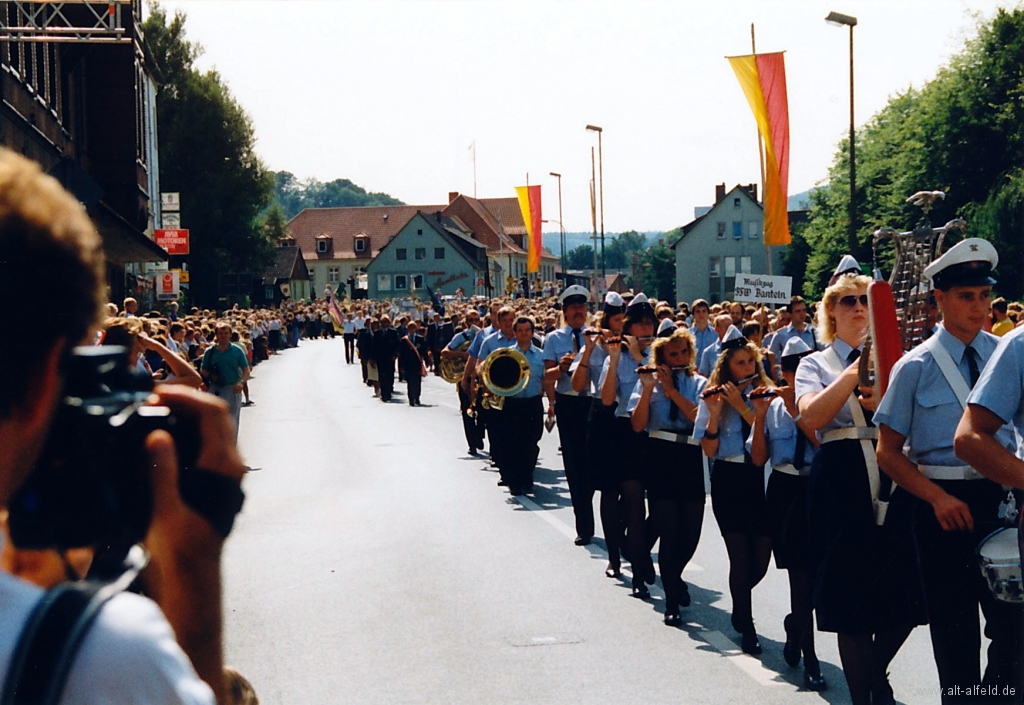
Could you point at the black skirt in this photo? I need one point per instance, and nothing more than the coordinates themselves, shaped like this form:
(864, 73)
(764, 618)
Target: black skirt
(865, 576)
(737, 498)
(675, 471)
(613, 448)
(787, 520)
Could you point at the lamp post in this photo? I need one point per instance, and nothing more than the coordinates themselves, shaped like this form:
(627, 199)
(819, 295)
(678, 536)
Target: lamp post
(600, 174)
(561, 228)
(841, 20)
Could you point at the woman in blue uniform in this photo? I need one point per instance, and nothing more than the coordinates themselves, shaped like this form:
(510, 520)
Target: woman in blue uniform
(723, 422)
(779, 434)
(862, 590)
(618, 379)
(664, 404)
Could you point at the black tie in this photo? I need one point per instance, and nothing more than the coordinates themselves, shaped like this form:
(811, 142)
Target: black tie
(972, 365)
(853, 357)
(801, 449)
(577, 338)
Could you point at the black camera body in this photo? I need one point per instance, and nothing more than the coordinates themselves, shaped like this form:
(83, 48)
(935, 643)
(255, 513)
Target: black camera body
(91, 484)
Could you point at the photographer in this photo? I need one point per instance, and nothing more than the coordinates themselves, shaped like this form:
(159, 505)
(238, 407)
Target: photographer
(130, 653)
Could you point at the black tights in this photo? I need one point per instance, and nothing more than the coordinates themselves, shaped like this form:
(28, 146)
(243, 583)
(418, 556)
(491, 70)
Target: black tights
(637, 549)
(612, 526)
(679, 525)
(802, 620)
(866, 659)
(748, 563)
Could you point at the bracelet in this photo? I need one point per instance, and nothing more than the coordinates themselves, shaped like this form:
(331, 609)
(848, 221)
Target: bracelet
(798, 417)
(745, 412)
(711, 436)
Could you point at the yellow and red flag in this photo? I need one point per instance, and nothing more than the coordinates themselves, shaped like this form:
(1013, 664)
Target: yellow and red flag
(763, 79)
(529, 204)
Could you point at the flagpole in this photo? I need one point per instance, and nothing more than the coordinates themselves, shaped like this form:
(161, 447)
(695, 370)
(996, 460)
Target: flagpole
(474, 168)
(760, 154)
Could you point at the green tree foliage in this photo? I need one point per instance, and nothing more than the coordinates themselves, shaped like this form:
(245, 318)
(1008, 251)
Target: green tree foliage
(962, 133)
(618, 254)
(274, 225)
(207, 154)
(581, 257)
(656, 273)
(295, 196)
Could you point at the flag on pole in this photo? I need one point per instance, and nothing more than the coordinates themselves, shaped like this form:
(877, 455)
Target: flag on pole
(337, 320)
(763, 79)
(529, 204)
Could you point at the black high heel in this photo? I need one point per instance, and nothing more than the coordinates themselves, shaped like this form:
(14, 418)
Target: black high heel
(672, 618)
(791, 650)
(613, 570)
(813, 680)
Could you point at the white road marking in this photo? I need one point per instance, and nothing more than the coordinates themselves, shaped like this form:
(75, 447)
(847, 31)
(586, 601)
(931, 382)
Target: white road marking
(748, 664)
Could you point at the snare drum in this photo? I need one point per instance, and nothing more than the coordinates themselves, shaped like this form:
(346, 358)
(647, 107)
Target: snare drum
(999, 558)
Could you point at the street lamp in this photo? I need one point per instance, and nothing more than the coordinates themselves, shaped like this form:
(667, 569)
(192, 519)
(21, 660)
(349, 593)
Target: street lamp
(600, 174)
(840, 20)
(561, 228)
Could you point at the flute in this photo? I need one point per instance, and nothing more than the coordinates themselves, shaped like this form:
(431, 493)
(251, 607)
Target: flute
(651, 369)
(718, 390)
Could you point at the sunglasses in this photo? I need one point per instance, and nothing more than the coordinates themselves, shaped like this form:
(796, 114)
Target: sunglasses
(851, 300)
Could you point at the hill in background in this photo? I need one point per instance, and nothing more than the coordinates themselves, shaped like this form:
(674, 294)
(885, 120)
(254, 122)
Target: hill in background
(295, 195)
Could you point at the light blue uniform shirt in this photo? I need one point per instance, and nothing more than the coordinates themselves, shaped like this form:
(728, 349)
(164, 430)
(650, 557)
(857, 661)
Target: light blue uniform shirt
(920, 404)
(474, 348)
(731, 439)
(626, 379)
(493, 342)
(781, 431)
(597, 357)
(461, 337)
(558, 343)
(1000, 389)
(703, 338)
(536, 359)
(815, 373)
(709, 357)
(660, 406)
(782, 336)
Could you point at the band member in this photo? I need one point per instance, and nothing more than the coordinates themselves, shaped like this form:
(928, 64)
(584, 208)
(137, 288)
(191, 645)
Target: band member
(502, 337)
(474, 431)
(618, 379)
(586, 371)
(522, 418)
(664, 404)
(412, 355)
(561, 348)
(469, 385)
(957, 507)
(790, 446)
(386, 343)
(724, 420)
(860, 570)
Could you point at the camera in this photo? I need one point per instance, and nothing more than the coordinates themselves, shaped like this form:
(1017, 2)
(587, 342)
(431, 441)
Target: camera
(91, 484)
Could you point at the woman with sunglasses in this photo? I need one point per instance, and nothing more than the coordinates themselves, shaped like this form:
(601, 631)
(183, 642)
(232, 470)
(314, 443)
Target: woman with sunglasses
(621, 445)
(859, 592)
(664, 404)
(724, 420)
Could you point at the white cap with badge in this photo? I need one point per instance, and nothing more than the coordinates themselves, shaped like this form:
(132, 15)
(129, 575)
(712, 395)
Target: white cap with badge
(968, 263)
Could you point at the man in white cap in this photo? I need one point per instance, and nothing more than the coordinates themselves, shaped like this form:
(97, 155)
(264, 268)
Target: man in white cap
(561, 348)
(958, 507)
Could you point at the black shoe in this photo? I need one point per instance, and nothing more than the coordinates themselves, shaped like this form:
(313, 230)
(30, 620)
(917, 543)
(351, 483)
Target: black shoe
(672, 619)
(472, 451)
(684, 598)
(502, 483)
(613, 570)
(813, 680)
(750, 643)
(518, 491)
(580, 541)
(641, 591)
(791, 650)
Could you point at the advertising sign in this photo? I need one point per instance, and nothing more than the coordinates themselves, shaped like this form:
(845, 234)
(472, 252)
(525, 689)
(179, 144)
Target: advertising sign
(174, 241)
(170, 201)
(171, 221)
(761, 288)
(167, 288)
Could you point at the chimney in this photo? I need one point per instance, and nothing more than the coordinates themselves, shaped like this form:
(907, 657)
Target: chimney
(752, 189)
(452, 195)
(437, 216)
(719, 192)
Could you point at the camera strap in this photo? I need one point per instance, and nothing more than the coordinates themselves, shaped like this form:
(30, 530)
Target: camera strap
(50, 639)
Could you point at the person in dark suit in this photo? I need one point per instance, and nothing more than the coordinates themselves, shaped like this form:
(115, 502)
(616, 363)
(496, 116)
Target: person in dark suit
(364, 346)
(386, 343)
(433, 328)
(412, 355)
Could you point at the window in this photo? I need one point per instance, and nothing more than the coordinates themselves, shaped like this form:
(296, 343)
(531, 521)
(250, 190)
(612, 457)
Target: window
(752, 228)
(438, 253)
(421, 253)
(730, 278)
(384, 282)
(737, 229)
(417, 281)
(312, 277)
(400, 253)
(420, 231)
(333, 275)
(715, 279)
(745, 265)
(360, 244)
(401, 282)
(721, 230)
(321, 246)
(736, 202)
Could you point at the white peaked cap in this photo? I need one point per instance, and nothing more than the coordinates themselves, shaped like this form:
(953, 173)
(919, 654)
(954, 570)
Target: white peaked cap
(613, 298)
(795, 346)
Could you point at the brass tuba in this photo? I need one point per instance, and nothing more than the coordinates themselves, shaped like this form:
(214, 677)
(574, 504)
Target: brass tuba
(504, 373)
(452, 368)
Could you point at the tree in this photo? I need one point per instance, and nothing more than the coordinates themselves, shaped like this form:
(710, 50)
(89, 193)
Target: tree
(581, 257)
(207, 154)
(619, 252)
(656, 273)
(295, 196)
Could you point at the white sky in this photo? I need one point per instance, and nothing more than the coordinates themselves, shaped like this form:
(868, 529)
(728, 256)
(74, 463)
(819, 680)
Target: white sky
(391, 94)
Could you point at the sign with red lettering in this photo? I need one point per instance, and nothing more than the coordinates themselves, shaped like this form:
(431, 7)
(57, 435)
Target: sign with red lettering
(174, 241)
(167, 286)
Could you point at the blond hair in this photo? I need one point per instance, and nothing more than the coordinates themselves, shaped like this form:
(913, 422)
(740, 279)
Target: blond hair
(679, 335)
(827, 322)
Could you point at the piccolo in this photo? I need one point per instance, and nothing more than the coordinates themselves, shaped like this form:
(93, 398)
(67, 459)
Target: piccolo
(763, 395)
(718, 390)
(650, 369)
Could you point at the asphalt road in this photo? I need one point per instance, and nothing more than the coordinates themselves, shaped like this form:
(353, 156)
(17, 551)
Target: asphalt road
(376, 562)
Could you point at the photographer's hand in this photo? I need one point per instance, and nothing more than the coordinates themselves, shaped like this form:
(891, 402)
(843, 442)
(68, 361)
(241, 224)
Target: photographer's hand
(184, 573)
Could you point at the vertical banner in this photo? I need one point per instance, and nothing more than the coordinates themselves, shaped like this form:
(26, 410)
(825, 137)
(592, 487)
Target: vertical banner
(529, 204)
(763, 79)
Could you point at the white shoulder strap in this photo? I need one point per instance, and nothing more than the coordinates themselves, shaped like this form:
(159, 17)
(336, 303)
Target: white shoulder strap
(949, 369)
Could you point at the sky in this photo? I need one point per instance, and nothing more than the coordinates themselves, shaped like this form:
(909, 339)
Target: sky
(394, 95)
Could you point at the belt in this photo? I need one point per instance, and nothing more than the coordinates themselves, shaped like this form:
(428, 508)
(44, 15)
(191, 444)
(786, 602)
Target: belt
(733, 459)
(791, 470)
(850, 433)
(950, 472)
(674, 437)
(573, 393)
